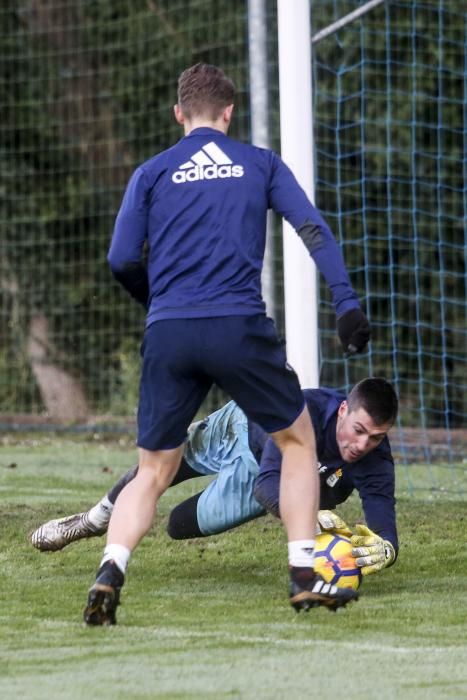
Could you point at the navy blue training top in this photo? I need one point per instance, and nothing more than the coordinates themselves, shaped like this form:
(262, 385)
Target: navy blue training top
(373, 476)
(198, 211)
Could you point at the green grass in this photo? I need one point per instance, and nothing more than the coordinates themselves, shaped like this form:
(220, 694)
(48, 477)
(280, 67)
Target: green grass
(209, 618)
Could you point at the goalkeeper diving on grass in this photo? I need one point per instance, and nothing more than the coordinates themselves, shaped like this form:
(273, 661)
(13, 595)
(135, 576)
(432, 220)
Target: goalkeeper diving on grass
(353, 452)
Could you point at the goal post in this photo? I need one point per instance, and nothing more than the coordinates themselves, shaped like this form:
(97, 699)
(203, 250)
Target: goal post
(297, 150)
(296, 132)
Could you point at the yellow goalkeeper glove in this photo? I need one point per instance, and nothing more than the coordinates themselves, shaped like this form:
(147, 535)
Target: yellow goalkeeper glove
(371, 552)
(328, 521)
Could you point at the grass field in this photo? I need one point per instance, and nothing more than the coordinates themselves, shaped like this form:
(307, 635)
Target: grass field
(209, 618)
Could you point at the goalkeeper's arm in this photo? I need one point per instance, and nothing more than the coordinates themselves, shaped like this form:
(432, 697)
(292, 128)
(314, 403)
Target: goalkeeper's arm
(376, 544)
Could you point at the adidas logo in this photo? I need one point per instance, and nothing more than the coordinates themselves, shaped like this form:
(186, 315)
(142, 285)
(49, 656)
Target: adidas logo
(209, 163)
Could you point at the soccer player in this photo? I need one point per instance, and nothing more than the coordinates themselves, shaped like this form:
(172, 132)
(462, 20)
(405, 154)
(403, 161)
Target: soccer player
(353, 452)
(188, 244)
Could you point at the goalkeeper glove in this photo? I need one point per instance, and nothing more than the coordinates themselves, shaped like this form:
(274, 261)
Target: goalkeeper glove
(353, 330)
(328, 521)
(371, 552)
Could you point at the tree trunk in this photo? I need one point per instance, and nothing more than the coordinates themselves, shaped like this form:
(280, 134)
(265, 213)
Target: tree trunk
(61, 393)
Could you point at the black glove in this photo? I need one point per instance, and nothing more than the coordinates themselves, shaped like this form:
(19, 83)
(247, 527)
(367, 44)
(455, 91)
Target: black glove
(353, 330)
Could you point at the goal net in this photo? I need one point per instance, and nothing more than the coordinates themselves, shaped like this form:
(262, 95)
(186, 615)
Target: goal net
(390, 132)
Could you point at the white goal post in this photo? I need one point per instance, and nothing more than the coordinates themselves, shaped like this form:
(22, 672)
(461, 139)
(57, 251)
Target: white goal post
(297, 150)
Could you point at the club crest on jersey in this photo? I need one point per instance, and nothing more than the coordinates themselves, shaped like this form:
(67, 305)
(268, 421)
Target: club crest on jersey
(334, 478)
(209, 163)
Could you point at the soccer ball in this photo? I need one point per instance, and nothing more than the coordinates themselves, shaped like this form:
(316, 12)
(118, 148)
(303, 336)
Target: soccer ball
(334, 561)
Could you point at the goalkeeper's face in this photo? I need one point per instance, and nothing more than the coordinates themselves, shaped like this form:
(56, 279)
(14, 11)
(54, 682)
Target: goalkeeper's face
(356, 433)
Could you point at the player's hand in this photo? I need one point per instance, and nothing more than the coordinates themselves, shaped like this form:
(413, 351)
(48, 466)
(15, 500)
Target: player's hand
(353, 330)
(328, 521)
(371, 552)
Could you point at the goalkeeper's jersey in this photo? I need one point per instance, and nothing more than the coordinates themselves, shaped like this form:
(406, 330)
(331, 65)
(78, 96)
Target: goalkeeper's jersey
(373, 476)
(197, 211)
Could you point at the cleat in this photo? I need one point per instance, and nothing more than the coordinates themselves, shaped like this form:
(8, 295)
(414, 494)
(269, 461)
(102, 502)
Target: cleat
(57, 534)
(309, 590)
(101, 606)
(104, 596)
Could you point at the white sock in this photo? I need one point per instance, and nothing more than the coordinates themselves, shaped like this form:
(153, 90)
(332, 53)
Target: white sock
(301, 553)
(119, 554)
(99, 515)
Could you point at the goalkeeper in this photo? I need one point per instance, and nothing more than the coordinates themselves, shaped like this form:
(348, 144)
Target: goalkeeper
(353, 453)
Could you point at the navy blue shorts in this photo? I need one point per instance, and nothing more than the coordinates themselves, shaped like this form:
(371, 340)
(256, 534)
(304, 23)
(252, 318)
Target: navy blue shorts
(182, 358)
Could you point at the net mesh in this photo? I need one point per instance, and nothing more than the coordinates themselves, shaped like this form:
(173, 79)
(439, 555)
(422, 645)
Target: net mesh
(390, 109)
(87, 90)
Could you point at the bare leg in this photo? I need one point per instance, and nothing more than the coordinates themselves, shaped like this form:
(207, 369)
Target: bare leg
(299, 502)
(132, 516)
(299, 485)
(135, 507)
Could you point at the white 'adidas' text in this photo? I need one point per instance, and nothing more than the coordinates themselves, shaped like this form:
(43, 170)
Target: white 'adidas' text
(211, 172)
(209, 163)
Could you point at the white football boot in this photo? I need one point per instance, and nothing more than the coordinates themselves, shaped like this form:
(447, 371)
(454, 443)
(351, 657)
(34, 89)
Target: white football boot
(57, 534)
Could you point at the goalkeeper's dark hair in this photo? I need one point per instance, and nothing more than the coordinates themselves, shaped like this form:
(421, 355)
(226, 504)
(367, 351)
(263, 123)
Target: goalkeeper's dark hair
(204, 90)
(377, 397)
